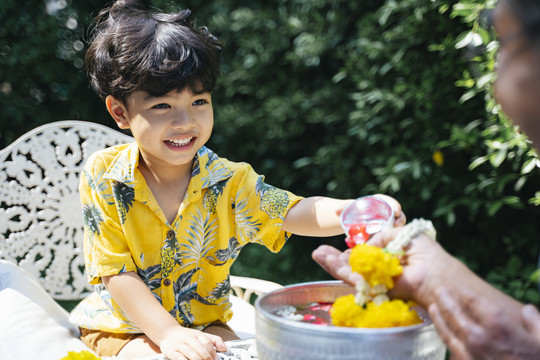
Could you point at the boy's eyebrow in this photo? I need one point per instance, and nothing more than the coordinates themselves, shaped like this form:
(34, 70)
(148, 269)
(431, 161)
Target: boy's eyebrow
(148, 97)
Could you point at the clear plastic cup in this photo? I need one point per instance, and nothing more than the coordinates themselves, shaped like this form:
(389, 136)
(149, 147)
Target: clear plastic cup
(366, 216)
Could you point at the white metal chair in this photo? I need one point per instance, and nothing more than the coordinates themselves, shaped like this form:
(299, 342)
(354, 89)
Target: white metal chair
(41, 224)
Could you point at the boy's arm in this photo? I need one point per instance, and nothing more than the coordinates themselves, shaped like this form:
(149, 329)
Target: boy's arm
(141, 307)
(315, 216)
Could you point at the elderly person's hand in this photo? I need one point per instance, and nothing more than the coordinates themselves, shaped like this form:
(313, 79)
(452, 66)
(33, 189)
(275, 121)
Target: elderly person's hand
(480, 327)
(475, 320)
(423, 256)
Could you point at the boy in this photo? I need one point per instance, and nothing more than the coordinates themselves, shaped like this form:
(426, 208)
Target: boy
(165, 217)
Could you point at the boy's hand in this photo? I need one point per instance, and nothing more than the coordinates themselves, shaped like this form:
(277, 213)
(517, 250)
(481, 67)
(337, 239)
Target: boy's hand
(189, 344)
(400, 218)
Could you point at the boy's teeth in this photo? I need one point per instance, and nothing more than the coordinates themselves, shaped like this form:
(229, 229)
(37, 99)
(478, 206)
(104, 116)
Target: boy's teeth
(181, 142)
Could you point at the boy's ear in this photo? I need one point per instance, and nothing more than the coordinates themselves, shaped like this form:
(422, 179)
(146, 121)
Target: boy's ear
(118, 111)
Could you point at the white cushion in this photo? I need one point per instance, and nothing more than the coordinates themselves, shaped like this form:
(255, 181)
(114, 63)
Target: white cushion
(33, 326)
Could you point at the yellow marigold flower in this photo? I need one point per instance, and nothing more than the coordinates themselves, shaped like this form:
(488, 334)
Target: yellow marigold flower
(375, 265)
(438, 157)
(81, 355)
(344, 312)
(391, 313)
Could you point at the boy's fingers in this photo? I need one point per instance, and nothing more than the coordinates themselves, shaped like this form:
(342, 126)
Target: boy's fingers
(180, 354)
(219, 344)
(400, 220)
(204, 353)
(177, 356)
(398, 213)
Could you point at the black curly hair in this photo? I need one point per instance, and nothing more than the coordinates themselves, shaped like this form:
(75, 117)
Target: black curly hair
(133, 48)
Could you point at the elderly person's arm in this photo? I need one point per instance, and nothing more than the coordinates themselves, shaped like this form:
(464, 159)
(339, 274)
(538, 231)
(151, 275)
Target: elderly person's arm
(475, 320)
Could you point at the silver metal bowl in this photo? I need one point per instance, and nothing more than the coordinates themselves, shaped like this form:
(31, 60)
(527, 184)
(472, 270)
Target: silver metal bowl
(278, 338)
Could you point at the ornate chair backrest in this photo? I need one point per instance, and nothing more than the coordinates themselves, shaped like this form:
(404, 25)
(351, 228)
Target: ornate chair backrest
(41, 224)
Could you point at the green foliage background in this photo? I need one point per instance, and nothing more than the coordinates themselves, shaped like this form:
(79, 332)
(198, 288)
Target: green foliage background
(328, 97)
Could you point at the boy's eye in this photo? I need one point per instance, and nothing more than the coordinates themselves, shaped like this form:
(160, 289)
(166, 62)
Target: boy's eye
(161, 106)
(200, 102)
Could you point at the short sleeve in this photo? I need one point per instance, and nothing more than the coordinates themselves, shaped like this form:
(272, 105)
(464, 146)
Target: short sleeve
(260, 210)
(106, 251)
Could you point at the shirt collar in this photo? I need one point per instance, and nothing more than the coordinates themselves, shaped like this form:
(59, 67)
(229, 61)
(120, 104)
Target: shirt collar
(208, 169)
(122, 168)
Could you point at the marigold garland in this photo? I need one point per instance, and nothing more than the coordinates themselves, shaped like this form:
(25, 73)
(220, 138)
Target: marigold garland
(390, 313)
(375, 265)
(370, 307)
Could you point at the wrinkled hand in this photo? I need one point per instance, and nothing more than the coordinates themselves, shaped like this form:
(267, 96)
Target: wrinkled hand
(479, 327)
(475, 320)
(336, 263)
(422, 256)
(189, 344)
(423, 262)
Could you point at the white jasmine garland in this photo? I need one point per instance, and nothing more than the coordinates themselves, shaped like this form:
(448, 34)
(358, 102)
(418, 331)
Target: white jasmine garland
(409, 232)
(377, 294)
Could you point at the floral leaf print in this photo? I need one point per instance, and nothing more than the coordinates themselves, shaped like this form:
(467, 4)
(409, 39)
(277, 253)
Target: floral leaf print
(184, 292)
(274, 201)
(231, 252)
(216, 173)
(203, 151)
(92, 218)
(183, 287)
(124, 196)
(201, 233)
(221, 291)
(183, 311)
(196, 170)
(212, 157)
(123, 171)
(148, 276)
(246, 228)
(99, 186)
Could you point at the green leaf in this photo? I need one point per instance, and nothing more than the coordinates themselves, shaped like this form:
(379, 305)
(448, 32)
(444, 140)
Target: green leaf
(498, 158)
(495, 207)
(529, 166)
(479, 161)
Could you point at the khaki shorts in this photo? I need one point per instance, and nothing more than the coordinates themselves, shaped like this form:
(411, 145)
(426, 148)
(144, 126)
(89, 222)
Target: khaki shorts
(109, 344)
(105, 343)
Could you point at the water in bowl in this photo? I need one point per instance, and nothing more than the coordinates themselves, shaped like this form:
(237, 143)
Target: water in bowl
(312, 313)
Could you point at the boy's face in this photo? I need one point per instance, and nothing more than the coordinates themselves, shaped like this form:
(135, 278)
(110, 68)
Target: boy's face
(169, 129)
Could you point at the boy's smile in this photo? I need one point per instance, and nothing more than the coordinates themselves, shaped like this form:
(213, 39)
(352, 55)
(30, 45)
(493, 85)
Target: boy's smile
(179, 143)
(169, 129)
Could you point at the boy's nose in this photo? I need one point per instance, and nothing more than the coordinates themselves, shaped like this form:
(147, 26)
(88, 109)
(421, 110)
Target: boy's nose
(182, 119)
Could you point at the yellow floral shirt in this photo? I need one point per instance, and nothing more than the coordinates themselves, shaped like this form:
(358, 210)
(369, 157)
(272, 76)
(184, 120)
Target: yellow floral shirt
(185, 264)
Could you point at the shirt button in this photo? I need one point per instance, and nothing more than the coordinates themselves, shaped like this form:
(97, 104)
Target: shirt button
(167, 282)
(170, 234)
